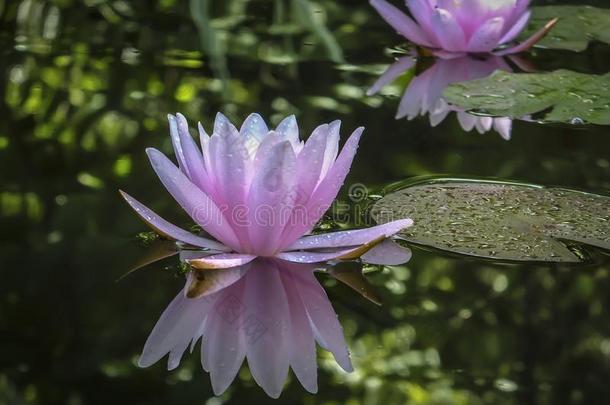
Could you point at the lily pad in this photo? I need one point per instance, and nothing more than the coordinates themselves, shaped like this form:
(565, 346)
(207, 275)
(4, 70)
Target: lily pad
(577, 26)
(504, 221)
(559, 96)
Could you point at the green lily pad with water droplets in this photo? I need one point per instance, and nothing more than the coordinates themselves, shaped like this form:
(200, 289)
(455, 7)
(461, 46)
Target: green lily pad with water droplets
(559, 96)
(577, 26)
(503, 221)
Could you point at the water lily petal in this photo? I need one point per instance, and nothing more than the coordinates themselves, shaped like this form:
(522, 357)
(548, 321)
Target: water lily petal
(253, 130)
(325, 192)
(223, 126)
(531, 41)
(198, 205)
(192, 160)
(351, 237)
(271, 197)
(289, 130)
(221, 261)
(421, 11)
(516, 28)
(340, 254)
(448, 31)
(331, 149)
(487, 36)
(403, 24)
(168, 229)
(310, 161)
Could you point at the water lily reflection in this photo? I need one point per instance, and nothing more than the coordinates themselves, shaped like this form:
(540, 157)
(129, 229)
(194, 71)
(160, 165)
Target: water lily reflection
(424, 94)
(269, 311)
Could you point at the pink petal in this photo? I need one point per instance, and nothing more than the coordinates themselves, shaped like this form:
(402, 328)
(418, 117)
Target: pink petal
(271, 197)
(225, 345)
(531, 41)
(415, 97)
(388, 253)
(174, 330)
(252, 131)
(421, 10)
(503, 126)
(204, 139)
(487, 36)
(404, 25)
(223, 126)
(169, 230)
(192, 160)
(484, 124)
(267, 327)
(310, 161)
(398, 68)
(318, 257)
(232, 175)
(516, 28)
(331, 149)
(221, 261)
(325, 192)
(192, 199)
(254, 127)
(289, 130)
(467, 121)
(177, 144)
(301, 345)
(439, 112)
(352, 237)
(447, 30)
(322, 317)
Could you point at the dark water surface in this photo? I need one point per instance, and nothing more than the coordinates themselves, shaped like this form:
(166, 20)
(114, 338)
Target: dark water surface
(86, 86)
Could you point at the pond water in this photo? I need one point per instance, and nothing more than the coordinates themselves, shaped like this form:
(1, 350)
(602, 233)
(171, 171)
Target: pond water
(86, 87)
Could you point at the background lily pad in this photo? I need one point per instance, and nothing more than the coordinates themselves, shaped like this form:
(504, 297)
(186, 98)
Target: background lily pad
(577, 26)
(508, 221)
(568, 96)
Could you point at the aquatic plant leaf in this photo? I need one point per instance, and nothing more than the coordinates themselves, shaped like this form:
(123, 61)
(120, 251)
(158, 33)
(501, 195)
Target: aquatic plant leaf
(577, 26)
(559, 96)
(505, 221)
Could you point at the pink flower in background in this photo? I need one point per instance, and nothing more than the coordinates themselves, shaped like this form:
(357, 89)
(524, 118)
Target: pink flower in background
(424, 94)
(259, 191)
(270, 311)
(450, 28)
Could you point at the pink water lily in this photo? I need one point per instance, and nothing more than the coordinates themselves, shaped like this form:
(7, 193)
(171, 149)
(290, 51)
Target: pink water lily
(270, 312)
(450, 28)
(257, 192)
(424, 94)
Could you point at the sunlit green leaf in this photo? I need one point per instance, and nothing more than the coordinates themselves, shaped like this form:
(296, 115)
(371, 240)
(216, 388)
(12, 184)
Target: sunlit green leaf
(505, 221)
(568, 96)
